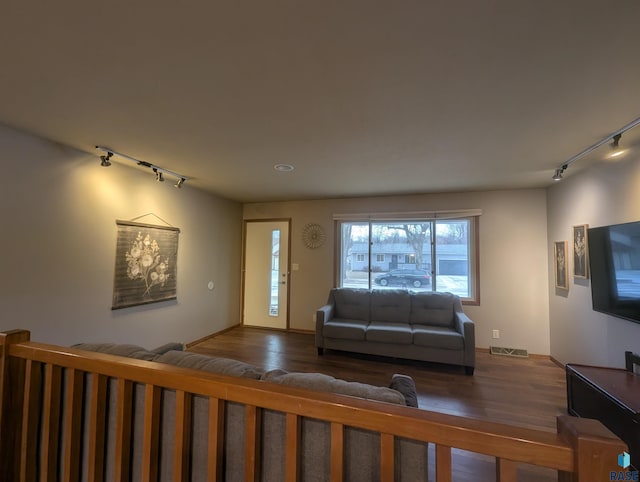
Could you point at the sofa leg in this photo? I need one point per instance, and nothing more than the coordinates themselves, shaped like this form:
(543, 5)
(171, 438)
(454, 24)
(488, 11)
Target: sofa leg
(468, 370)
(320, 351)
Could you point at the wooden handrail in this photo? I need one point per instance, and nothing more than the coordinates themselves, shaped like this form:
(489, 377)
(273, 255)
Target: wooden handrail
(509, 444)
(525, 445)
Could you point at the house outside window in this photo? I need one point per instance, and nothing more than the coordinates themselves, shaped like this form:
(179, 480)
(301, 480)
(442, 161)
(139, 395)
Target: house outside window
(416, 254)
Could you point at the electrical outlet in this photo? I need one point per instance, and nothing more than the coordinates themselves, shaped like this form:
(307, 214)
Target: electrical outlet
(496, 334)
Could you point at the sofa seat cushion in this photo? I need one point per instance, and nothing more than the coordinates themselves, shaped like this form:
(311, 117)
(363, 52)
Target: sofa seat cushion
(320, 382)
(390, 305)
(351, 303)
(387, 332)
(432, 308)
(437, 337)
(222, 366)
(345, 329)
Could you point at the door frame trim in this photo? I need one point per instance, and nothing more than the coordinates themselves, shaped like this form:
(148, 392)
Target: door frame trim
(243, 263)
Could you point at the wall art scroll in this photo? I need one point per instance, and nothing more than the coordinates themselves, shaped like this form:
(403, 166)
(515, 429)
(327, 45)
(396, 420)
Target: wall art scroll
(146, 264)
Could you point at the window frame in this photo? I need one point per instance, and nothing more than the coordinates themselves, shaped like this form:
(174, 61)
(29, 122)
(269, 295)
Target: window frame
(473, 245)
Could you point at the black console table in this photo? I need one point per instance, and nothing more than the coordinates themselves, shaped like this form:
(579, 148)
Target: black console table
(610, 395)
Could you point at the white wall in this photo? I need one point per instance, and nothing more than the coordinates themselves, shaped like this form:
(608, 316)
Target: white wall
(58, 209)
(606, 193)
(513, 258)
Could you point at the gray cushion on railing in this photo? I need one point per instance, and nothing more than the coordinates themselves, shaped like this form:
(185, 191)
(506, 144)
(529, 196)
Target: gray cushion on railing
(392, 306)
(223, 366)
(168, 347)
(129, 351)
(405, 385)
(328, 384)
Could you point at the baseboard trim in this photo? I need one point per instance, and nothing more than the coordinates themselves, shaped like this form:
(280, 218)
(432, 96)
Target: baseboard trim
(212, 335)
(301, 331)
(285, 330)
(561, 365)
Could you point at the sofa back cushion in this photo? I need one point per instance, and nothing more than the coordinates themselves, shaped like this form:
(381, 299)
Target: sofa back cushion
(126, 350)
(222, 366)
(433, 308)
(390, 305)
(350, 303)
(320, 382)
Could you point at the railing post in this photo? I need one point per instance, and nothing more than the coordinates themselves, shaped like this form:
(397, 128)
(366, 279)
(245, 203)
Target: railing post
(11, 399)
(596, 449)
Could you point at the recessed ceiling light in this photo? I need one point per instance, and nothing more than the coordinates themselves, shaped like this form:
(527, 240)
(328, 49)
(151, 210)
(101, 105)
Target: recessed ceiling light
(283, 167)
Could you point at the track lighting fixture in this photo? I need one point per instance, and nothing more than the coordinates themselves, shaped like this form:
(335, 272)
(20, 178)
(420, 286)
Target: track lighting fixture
(104, 160)
(616, 141)
(615, 146)
(558, 175)
(157, 170)
(159, 175)
(614, 137)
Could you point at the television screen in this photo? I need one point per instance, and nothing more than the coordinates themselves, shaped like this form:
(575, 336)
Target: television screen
(614, 260)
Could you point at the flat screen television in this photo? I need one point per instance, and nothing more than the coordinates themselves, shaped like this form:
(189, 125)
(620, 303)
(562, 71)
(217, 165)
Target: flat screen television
(614, 261)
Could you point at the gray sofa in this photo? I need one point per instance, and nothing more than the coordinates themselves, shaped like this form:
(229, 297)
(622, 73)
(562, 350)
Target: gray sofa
(425, 326)
(362, 448)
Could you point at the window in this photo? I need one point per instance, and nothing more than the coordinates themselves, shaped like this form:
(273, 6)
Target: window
(417, 254)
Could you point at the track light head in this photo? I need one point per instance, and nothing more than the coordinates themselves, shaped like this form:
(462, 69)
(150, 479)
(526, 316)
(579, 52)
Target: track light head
(616, 141)
(617, 151)
(558, 175)
(179, 183)
(159, 175)
(104, 160)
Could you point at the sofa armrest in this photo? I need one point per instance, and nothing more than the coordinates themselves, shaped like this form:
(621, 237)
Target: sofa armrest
(323, 314)
(466, 327)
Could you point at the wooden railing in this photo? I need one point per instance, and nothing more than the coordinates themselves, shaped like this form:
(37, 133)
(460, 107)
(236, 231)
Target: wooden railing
(32, 392)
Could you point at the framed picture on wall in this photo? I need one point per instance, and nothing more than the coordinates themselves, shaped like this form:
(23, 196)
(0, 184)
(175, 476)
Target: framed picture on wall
(580, 251)
(560, 265)
(145, 270)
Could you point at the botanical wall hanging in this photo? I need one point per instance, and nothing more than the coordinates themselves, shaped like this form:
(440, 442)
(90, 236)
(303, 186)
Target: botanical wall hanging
(146, 270)
(560, 264)
(580, 251)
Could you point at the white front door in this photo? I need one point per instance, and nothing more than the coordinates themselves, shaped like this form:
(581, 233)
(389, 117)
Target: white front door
(266, 274)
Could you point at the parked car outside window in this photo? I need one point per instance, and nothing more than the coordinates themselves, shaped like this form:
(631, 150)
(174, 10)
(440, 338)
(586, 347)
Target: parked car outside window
(414, 277)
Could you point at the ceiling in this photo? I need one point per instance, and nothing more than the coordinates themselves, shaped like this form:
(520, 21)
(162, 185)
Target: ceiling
(362, 97)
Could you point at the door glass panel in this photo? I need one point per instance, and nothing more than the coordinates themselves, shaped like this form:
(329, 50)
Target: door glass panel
(274, 306)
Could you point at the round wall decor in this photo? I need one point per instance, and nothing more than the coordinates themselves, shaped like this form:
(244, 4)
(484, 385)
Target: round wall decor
(313, 236)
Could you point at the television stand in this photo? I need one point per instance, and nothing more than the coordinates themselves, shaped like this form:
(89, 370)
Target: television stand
(610, 395)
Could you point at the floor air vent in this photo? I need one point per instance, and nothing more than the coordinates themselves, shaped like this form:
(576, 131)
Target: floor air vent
(519, 352)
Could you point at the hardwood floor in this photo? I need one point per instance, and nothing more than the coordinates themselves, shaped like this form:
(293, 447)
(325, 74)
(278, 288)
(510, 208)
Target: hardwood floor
(527, 392)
